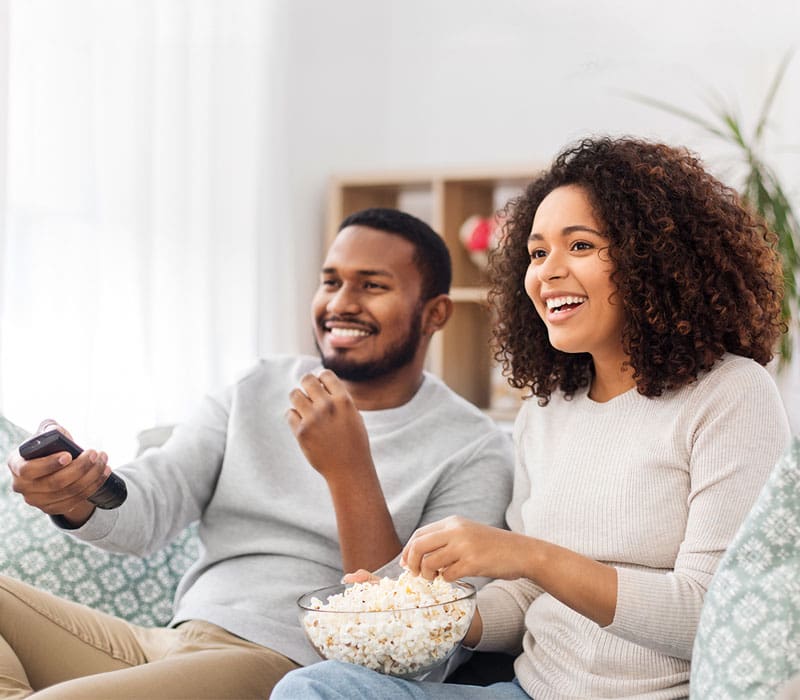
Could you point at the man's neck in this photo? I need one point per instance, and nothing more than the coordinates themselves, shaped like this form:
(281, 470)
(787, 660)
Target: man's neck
(385, 392)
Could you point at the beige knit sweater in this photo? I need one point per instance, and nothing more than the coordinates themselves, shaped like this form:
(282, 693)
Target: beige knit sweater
(653, 486)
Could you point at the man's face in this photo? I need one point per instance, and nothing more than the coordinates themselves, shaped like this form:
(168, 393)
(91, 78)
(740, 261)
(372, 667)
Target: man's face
(367, 311)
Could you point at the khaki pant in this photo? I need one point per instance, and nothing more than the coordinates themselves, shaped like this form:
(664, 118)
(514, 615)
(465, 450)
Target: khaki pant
(56, 649)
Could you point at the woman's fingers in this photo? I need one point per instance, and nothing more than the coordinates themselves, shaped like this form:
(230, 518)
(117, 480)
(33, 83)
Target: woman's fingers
(426, 552)
(455, 547)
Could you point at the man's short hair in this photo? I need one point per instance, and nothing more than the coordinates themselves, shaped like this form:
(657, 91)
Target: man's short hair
(430, 252)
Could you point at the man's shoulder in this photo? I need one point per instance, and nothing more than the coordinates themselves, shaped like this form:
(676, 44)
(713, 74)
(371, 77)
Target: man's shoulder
(443, 400)
(269, 376)
(436, 390)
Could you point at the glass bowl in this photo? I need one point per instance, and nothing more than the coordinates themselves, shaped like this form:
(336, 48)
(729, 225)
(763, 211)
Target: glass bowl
(380, 625)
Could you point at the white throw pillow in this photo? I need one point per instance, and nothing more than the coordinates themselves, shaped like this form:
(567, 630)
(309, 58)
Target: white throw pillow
(748, 639)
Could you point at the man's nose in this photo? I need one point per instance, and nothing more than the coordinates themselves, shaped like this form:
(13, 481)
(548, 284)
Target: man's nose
(344, 301)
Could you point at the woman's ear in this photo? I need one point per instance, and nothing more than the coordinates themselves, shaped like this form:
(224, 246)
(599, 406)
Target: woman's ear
(435, 314)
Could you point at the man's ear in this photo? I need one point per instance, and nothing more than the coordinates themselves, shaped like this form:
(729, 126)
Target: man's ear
(435, 314)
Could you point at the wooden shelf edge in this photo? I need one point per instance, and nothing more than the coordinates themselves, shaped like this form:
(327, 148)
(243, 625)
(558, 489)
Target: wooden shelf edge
(423, 177)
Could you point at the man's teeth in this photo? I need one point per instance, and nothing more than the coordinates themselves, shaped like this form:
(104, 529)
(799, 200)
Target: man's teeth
(348, 332)
(557, 302)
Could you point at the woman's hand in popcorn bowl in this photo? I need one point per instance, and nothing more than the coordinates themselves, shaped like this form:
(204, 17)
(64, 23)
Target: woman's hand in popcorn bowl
(402, 627)
(457, 548)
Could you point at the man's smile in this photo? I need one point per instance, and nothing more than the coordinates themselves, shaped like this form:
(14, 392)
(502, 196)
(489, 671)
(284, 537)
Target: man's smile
(345, 334)
(348, 332)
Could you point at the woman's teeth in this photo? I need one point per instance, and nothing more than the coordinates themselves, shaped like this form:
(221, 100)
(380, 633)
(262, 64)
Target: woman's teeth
(555, 303)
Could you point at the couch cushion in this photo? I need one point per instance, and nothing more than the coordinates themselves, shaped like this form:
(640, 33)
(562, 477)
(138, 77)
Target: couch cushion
(33, 550)
(748, 639)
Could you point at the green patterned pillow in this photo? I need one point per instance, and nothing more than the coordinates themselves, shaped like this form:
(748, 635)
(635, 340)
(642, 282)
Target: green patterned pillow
(748, 639)
(33, 550)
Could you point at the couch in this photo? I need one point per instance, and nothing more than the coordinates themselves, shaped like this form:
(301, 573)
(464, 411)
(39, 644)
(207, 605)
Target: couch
(748, 641)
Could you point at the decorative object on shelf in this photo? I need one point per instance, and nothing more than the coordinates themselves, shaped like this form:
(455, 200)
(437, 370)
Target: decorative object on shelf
(761, 189)
(478, 235)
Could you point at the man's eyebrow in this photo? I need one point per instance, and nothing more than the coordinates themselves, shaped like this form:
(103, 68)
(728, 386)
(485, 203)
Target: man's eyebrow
(360, 273)
(566, 231)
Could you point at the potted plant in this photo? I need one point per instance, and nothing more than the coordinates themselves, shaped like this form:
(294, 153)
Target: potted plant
(760, 188)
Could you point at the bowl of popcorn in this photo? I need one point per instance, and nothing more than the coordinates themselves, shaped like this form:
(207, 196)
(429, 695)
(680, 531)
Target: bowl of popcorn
(402, 627)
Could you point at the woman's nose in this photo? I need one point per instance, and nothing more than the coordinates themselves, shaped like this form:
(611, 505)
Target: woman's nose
(552, 267)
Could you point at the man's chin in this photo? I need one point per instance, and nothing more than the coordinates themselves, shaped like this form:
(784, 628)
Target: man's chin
(393, 360)
(349, 371)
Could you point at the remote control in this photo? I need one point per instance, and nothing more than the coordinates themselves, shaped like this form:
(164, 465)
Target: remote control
(111, 494)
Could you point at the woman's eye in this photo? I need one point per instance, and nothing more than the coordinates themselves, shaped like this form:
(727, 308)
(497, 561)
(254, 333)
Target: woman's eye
(330, 284)
(537, 254)
(373, 285)
(582, 245)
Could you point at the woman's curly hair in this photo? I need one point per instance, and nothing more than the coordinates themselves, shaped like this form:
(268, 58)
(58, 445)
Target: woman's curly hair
(697, 274)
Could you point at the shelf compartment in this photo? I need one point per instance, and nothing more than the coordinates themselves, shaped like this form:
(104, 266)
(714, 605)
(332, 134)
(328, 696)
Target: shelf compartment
(460, 354)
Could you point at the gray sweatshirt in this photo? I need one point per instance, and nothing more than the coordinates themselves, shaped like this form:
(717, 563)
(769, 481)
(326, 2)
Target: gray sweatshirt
(266, 520)
(655, 487)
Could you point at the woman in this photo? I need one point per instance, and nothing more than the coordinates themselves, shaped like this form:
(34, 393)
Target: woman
(637, 300)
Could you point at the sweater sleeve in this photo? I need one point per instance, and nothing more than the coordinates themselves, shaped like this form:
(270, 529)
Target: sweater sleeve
(502, 606)
(168, 487)
(738, 429)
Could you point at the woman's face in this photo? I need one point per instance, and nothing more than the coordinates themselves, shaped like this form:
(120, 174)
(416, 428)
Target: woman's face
(569, 277)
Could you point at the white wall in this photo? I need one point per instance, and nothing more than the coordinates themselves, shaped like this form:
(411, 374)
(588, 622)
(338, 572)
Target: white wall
(366, 85)
(381, 84)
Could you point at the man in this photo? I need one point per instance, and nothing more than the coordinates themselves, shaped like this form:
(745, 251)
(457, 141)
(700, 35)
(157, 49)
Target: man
(374, 448)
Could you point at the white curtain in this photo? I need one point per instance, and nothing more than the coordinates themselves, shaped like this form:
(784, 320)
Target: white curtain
(142, 164)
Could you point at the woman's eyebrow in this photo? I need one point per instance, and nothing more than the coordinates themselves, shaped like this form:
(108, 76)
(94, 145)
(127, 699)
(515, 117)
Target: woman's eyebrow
(566, 231)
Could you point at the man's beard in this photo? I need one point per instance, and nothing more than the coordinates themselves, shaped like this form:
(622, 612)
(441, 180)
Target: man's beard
(395, 357)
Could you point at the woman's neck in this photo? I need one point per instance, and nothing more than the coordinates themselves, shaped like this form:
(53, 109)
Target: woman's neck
(610, 380)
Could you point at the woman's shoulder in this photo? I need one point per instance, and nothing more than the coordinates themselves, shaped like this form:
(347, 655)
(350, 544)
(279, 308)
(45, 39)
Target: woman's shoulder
(735, 381)
(731, 363)
(732, 368)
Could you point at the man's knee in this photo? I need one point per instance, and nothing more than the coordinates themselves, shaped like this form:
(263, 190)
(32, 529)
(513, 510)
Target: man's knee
(13, 586)
(9, 587)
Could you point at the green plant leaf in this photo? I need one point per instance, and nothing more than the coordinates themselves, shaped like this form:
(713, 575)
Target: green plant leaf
(770, 98)
(677, 111)
(761, 189)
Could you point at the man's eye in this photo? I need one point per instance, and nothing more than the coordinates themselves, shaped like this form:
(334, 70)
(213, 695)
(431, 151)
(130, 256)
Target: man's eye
(373, 285)
(330, 284)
